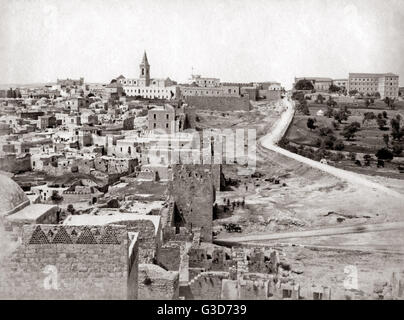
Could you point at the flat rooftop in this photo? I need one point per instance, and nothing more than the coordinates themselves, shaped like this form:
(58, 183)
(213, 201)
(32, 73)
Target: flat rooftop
(31, 213)
(100, 220)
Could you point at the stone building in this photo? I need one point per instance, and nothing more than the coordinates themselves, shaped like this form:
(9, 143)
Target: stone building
(165, 119)
(370, 83)
(71, 262)
(192, 189)
(148, 228)
(147, 87)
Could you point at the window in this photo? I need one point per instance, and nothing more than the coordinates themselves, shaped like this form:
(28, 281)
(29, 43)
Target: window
(154, 125)
(167, 116)
(154, 116)
(286, 293)
(317, 295)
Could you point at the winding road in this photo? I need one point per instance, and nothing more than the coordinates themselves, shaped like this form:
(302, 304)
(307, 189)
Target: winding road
(270, 140)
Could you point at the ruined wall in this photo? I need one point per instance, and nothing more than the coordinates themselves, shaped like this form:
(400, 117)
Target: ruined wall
(269, 94)
(10, 163)
(207, 285)
(170, 255)
(149, 241)
(257, 260)
(219, 103)
(69, 262)
(155, 283)
(193, 192)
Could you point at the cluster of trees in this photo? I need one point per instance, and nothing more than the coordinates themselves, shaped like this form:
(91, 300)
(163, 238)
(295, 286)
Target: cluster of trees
(302, 106)
(315, 154)
(333, 88)
(327, 139)
(340, 114)
(304, 85)
(396, 145)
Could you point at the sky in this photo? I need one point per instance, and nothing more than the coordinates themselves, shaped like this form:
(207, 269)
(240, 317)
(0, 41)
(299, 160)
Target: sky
(234, 40)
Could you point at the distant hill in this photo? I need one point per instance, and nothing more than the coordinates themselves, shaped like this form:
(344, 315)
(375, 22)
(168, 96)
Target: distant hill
(26, 85)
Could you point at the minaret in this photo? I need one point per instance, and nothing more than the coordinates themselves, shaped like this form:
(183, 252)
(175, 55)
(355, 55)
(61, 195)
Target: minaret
(145, 71)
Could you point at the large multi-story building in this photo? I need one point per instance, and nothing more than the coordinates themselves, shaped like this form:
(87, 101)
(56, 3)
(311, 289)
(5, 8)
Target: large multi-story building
(370, 83)
(199, 81)
(146, 87)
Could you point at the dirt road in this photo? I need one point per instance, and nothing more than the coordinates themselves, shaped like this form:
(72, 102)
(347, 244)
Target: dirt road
(317, 232)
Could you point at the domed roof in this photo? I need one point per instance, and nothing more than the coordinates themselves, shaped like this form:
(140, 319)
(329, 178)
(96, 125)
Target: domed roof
(12, 197)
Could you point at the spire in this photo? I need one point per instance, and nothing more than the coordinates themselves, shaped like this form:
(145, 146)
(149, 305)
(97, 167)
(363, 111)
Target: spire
(144, 60)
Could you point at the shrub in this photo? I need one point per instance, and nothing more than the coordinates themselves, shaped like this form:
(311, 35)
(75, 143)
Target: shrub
(384, 154)
(339, 145)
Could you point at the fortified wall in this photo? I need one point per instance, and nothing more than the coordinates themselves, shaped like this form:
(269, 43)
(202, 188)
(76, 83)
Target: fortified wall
(219, 103)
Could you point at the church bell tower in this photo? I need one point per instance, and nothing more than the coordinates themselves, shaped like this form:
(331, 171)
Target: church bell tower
(144, 71)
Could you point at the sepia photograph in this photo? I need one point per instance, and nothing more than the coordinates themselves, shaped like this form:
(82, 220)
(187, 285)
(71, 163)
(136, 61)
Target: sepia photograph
(206, 150)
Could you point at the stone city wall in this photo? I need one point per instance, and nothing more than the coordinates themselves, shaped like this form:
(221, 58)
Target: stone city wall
(219, 103)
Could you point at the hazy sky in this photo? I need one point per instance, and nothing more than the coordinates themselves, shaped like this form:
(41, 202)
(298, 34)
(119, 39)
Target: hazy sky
(254, 40)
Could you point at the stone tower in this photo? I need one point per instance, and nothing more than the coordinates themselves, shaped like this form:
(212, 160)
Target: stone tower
(144, 77)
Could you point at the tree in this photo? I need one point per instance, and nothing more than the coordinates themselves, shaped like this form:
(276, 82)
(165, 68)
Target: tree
(353, 92)
(331, 102)
(339, 145)
(377, 95)
(389, 102)
(368, 116)
(320, 99)
(367, 158)
(340, 115)
(386, 139)
(367, 103)
(298, 95)
(329, 112)
(325, 131)
(334, 88)
(352, 156)
(56, 197)
(304, 85)
(385, 114)
(71, 209)
(350, 130)
(381, 123)
(328, 141)
(335, 124)
(397, 148)
(311, 123)
(303, 108)
(384, 154)
(396, 132)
